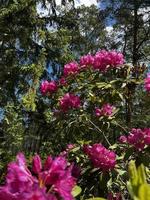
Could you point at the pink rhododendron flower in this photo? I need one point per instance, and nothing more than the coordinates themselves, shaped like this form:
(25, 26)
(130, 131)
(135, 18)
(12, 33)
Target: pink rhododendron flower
(54, 181)
(67, 150)
(106, 110)
(59, 177)
(65, 185)
(50, 87)
(62, 81)
(122, 139)
(71, 68)
(70, 146)
(115, 58)
(98, 112)
(117, 196)
(139, 138)
(86, 60)
(104, 59)
(36, 164)
(19, 174)
(44, 87)
(147, 83)
(101, 157)
(36, 194)
(69, 101)
(48, 163)
(64, 153)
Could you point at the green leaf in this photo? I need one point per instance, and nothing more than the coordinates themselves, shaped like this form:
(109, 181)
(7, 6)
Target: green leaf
(76, 191)
(114, 146)
(108, 86)
(141, 174)
(130, 189)
(129, 152)
(121, 172)
(121, 96)
(144, 192)
(133, 173)
(75, 149)
(101, 84)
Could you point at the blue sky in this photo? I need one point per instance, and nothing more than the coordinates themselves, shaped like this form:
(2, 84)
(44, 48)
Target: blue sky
(82, 2)
(109, 22)
(44, 12)
(85, 2)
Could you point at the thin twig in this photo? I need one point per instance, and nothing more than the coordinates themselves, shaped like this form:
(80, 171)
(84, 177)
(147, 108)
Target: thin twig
(100, 132)
(121, 127)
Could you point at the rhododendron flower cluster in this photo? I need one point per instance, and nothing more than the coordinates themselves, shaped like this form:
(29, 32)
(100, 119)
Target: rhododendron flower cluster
(69, 101)
(139, 138)
(71, 68)
(62, 81)
(101, 157)
(147, 83)
(68, 149)
(104, 59)
(105, 110)
(86, 60)
(101, 60)
(47, 86)
(122, 139)
(117, 196)
(70, 146)
(53, 181)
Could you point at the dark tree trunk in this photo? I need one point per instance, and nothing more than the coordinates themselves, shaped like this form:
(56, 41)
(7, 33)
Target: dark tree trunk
(135, 35)
(134, 62)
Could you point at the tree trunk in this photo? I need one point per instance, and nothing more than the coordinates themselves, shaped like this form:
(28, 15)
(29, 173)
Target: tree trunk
(135, 35)
(134, 62)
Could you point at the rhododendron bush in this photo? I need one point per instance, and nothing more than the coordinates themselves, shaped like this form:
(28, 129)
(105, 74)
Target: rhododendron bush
(103, 152)
(93, 99)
